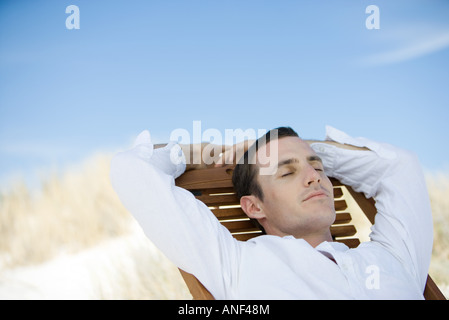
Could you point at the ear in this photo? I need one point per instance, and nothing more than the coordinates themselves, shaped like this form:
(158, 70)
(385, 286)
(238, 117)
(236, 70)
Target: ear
(251, 206)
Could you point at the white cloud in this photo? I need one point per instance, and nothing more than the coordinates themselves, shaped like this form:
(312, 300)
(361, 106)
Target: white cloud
(418, 47)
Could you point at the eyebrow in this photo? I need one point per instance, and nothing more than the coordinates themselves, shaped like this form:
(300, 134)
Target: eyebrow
(314, 158)
(294, 160)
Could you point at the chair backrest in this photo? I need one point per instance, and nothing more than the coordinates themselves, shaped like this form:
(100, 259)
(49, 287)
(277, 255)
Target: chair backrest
(213, 186)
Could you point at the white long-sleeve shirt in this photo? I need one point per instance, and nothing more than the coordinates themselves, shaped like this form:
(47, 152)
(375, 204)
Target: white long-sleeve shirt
(393, 265)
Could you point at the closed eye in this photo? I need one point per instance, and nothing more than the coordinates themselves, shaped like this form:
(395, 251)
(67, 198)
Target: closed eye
(286, 174)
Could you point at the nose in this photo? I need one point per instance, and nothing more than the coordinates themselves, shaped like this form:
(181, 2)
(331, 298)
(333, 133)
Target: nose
(312, 176)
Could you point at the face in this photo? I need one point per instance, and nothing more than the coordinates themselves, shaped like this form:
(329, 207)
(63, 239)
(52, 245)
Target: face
(297, 195)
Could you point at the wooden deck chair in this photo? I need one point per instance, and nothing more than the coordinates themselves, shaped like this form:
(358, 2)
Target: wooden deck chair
(214, 187)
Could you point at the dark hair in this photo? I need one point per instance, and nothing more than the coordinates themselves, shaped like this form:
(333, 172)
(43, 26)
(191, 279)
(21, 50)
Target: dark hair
(244, 177)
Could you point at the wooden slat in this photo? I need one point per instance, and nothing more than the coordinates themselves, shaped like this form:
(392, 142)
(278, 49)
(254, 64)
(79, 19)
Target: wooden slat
(338, 192)
(228, 213)
(216, 191)
(343, 217)
(367, 205)
(340, 205)
(219, 200)
(431, 291)
(220, 177)
(240, 226)
(216, 196)
(246, 236)
(343, 231)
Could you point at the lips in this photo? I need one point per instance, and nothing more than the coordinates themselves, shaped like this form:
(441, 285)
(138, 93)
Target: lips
(315, 195)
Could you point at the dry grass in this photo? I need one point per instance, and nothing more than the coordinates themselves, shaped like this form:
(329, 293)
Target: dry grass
(438, 186)
(79, 210)
(70, 213)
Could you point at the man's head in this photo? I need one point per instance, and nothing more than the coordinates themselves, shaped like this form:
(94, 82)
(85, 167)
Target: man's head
(293, 196)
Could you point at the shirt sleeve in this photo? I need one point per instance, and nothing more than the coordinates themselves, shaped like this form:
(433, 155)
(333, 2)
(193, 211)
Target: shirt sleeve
(182, 227)
(394, 178)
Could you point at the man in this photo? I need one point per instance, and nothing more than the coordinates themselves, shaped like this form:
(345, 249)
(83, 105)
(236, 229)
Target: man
(293, 201)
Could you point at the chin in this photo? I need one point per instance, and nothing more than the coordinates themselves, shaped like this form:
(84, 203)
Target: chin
(325, 217)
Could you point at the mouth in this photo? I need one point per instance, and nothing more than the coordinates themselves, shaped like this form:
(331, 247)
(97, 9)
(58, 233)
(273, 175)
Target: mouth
(315, 195)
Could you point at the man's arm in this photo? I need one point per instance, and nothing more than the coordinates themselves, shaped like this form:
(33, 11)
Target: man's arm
(403, 224)
(183, 228)
(337, 144)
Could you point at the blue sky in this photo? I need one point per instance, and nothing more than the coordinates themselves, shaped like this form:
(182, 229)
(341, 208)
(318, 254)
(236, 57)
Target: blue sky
(160, 65)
